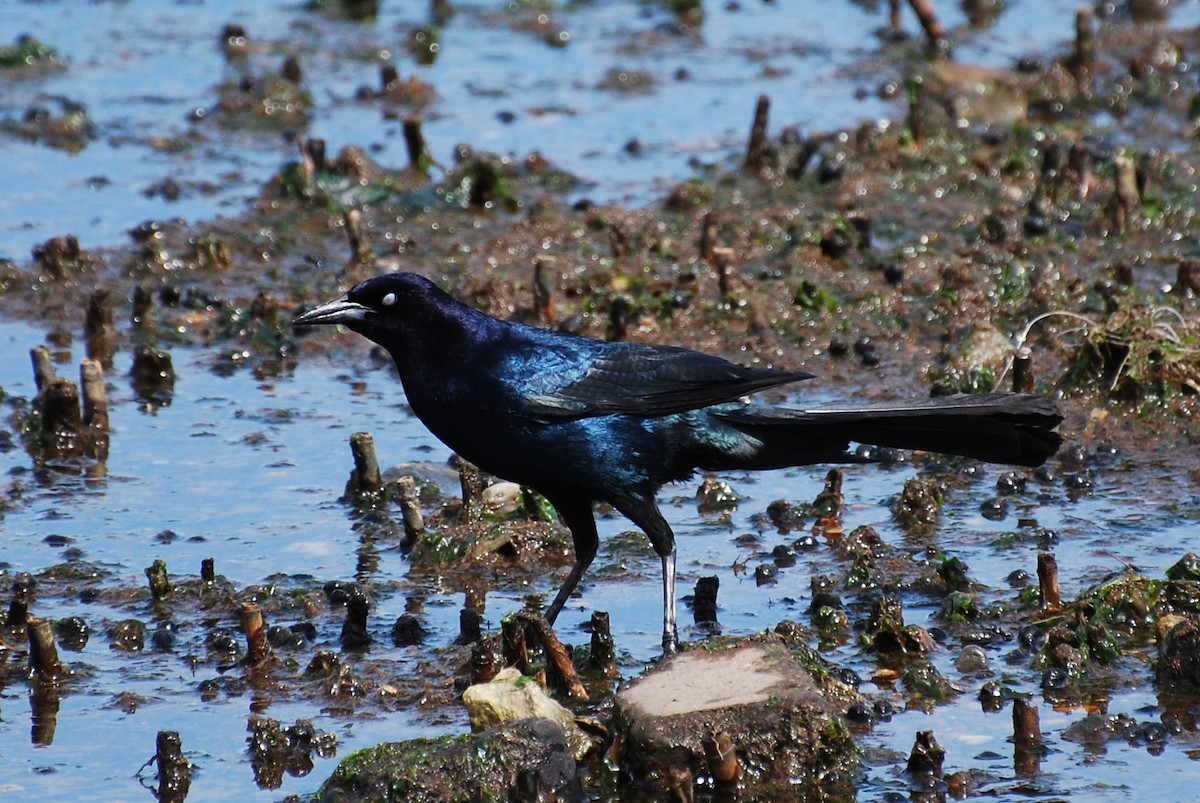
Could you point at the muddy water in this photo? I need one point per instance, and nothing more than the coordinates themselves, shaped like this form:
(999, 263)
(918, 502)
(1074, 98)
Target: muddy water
(248, 471)
(142, 69)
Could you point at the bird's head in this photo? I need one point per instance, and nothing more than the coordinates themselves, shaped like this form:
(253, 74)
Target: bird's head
(382, 308)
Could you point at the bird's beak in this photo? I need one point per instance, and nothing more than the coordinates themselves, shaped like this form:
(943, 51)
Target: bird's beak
(339, 310)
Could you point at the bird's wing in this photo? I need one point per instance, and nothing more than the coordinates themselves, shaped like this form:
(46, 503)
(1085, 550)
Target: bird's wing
(635, 379)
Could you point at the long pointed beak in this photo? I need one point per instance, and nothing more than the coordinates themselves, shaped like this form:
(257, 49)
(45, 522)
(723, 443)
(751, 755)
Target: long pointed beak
(339, 310)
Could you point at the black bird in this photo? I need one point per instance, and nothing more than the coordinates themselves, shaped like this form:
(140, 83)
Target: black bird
(581, 420)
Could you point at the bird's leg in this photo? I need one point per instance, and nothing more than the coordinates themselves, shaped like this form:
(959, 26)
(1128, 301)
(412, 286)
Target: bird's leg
(670, 640)
(576, 513)
(645, 514)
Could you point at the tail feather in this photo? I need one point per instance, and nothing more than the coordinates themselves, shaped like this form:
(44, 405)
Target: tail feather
(1010, 428)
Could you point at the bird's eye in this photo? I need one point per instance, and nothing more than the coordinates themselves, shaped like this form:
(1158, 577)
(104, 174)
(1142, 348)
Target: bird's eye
(388, 300)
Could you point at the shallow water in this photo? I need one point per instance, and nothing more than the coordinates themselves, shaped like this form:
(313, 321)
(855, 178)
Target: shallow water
(141, 68)
(249, 471)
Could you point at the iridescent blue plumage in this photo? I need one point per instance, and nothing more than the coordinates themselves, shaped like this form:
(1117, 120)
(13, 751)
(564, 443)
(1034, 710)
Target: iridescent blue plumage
(581, 420)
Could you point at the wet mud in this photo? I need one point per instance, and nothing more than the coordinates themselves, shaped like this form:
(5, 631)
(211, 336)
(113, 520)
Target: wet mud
(1027, 227)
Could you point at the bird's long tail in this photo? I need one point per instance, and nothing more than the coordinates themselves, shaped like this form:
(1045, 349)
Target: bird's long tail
(1010, 428)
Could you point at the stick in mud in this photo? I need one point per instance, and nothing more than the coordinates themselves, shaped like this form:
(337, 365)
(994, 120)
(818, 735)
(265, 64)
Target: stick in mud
(142, 304)
(1084, 59)
(709, 230)
(543, 288)
(1047, 569)
(160, 581)
(174, 771)
(366, 479)
(485, 663)
(410, 510)
(1027, 732)
(602, 653)
(414, 144)
(98, 328)
(470, 625)
(95, 410)
(927, 755)
(1126, 194)
(18, 608)
(558, 661)
(360, 247)
(258, 646)
(43, 652)
(43, 367)
(930, 23)
(1187, 277)
(758, 146)
(512, 641)
(355, 635)
(313, 152)
(704, 601)
(1022, 378)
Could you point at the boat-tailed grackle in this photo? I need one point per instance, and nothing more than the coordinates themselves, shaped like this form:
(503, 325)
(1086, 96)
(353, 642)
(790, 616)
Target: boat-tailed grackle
(581, 420)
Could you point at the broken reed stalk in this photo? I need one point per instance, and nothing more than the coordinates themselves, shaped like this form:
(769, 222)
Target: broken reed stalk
(389, 78)
(18, 608)
(1027, 732)
(143, 303)
(515, 648)
(258, 646)
(95, 409)
(927, 15)
(1047, 570)
(98, 327)
(470, 479)
(709, 230)
(160, 581)
(470, 625)
(558, 660)
(1126, 193)
(355, 635)
(1083, 60)
(704, 601)
(602, 652)
(410, 510)
(313, 152)
(43, 367)
(485, 664)
(414, 144)
(758, 147)
(95, 397)
(723, 260)
(1022, 378)
(174, 771)
(61, 425)
(360, 247)
(927, 756)
(543, 288)
(366, 479)
(43, 652)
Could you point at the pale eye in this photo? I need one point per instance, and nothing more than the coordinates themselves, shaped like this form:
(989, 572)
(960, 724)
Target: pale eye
(388, 300)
